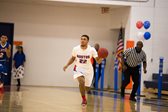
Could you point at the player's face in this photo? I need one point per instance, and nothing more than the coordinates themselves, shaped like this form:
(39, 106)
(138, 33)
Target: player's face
(4, 38)
(84, 41)
(97, 47)
(19, 49)
(139, 46)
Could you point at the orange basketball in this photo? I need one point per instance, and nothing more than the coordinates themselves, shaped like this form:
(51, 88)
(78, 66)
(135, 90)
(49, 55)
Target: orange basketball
(102, 52)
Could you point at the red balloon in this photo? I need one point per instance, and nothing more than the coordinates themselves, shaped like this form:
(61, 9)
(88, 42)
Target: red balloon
(139, 24)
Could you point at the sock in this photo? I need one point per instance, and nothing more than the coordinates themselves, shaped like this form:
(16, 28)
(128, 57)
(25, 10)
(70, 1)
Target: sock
(2, 90)
(84, 98)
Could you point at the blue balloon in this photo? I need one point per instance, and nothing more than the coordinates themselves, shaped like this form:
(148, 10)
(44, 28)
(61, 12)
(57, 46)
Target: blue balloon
(146, 24)
(147, 35)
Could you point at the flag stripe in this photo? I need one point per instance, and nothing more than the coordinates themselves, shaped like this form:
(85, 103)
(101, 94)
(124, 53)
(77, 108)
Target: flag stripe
(120, 49)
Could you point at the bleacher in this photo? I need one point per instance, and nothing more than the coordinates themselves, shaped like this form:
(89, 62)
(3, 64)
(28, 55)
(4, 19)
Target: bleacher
(153, 85)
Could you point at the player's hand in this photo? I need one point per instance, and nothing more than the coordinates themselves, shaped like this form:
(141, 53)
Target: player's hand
(124, 67)
(8, 49)
(1, 55)
(145, 71)
(98, 60)
(65, 67)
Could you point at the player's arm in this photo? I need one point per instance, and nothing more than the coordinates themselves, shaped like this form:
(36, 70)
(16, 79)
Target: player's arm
(124, 56)
(98, 60)
(144, 64)
(124, 67)
(71, 60)
(14, 64)
(8, 51)
(96, 57)
(24, 60)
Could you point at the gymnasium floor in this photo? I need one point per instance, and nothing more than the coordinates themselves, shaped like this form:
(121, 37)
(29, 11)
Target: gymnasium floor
(45, 99)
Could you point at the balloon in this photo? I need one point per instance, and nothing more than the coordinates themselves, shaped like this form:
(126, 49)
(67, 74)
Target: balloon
(140, 36)
(147, 35)
(146, 24)
(139, 24)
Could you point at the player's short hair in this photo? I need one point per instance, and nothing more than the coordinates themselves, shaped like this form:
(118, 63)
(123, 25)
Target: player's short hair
(20, 47)
(85, 36)
(139, 42)
(3, 35)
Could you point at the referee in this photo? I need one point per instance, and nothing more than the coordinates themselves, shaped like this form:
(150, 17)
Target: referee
(131, 60)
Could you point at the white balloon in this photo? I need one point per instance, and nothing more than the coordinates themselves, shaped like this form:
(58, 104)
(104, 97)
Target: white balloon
(140, 36)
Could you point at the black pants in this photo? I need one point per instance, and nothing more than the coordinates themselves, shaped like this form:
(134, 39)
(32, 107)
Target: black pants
(134, 72)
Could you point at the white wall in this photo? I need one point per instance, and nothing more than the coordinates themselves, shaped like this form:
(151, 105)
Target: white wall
(50, 32)
(143, 14)
(160, 34)
(155, 12)
(114, 33)
(109, 2)
(43, 27)
(119, 17)
(156, 46)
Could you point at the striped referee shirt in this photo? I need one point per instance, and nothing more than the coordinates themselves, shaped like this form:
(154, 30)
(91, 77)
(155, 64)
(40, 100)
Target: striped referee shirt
(133, 58)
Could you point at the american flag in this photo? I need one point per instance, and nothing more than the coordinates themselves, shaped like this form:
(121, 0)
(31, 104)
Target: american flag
(120, 48)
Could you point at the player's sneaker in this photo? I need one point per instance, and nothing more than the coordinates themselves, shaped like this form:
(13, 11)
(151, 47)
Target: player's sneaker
(132, 99)
(84, 102)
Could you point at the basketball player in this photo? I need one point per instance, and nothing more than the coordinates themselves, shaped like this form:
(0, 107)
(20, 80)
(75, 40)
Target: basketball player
(5, 53)
(83, 70)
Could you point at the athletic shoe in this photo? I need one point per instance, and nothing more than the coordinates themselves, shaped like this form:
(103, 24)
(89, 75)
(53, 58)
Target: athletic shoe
(84, 102)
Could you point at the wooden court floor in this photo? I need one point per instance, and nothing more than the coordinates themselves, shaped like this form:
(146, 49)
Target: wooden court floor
(50, 99)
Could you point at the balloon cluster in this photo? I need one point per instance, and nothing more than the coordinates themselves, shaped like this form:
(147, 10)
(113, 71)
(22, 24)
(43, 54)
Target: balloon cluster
(141, 35)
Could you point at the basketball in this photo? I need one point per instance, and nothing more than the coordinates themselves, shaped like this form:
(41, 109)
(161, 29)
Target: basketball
(102, 52)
